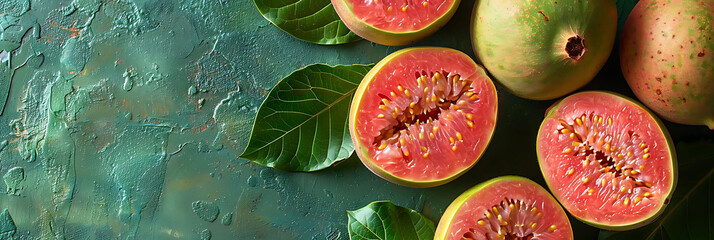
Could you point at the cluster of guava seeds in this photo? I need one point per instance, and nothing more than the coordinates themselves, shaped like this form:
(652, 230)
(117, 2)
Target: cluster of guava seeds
(511, 219)
(417, 113)
(612, 158)
(404, 7)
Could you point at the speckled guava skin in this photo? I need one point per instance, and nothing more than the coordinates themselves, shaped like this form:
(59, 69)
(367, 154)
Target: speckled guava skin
(667, 57)
(522, 43)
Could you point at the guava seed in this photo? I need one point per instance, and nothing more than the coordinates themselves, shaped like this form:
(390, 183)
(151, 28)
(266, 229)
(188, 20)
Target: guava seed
(613, 159)
(511, 219)
(412, 112)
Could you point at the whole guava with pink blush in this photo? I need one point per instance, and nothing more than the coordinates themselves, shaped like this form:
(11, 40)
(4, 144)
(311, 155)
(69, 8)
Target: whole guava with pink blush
(667, 57)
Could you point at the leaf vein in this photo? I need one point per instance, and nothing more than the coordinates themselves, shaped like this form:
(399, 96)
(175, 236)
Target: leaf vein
(684, 199)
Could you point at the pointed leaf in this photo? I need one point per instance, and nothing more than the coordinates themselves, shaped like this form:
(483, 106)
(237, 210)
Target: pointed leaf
(302, 124)
(314, 21)
(689, 214)
(385, 221)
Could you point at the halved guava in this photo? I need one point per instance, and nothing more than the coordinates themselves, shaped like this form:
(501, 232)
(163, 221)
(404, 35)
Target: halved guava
(508, 207)
(395, 22)
(423, 116)
(607, 159)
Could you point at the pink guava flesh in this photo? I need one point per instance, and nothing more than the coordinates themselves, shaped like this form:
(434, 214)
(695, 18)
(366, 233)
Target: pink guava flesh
(512, 206)
(400, 15)
(607, 159)
(426, 115)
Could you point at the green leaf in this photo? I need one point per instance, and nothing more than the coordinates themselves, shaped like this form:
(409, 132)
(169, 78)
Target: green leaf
(385, 221)
(689, 214)
(314, 21)
(302, 124)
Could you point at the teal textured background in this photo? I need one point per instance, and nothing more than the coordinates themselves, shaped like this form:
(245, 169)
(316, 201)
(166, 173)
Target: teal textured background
(124, 119)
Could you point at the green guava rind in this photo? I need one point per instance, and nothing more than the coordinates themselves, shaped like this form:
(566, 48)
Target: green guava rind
(526, 53)
(445, 223)
(671, 69)
(369, 32)
(670, 148)
(363, 151)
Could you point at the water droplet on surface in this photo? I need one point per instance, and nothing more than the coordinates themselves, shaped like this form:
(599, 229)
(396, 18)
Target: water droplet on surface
(266, 174)
(206, 234)
(208, 211)
(227, 219)
(327, 193)
(252, 182)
